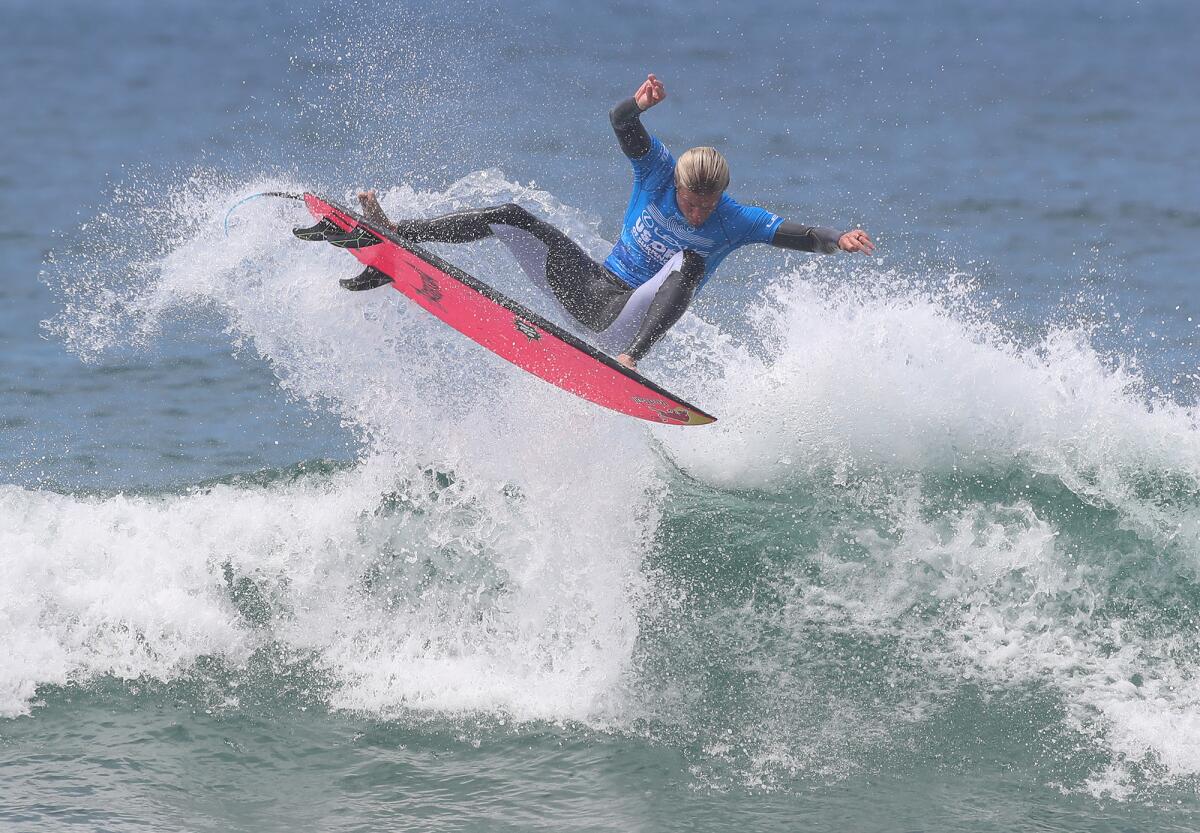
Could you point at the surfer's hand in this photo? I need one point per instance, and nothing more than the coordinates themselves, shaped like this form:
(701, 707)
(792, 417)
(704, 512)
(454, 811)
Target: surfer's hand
(627, 360)
(650, 93)
(856, 241)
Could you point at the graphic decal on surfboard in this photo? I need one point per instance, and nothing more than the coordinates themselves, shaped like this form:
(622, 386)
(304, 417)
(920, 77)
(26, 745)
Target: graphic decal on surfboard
(491, 319)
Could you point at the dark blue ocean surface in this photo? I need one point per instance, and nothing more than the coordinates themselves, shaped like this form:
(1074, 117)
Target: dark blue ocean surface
(278, 556)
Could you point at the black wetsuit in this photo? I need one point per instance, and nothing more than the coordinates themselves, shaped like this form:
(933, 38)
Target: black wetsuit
(590, 292)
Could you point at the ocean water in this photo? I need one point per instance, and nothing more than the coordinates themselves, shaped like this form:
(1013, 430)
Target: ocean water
(274, 556)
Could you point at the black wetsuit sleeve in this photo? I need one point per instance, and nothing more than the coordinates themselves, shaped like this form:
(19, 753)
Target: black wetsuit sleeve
(791, 235)
(669, 304)
(627, 124)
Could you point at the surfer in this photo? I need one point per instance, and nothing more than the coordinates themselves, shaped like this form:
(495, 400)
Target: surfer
(679, 225)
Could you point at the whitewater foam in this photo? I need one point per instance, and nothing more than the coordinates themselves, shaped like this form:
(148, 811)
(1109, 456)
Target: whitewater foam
(509, 584)
(1015, 513)
(1019, 514)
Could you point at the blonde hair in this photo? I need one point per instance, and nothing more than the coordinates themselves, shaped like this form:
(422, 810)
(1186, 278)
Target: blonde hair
(702, 171)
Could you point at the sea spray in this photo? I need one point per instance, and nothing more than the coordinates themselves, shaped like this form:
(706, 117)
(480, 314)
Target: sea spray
(482, 554)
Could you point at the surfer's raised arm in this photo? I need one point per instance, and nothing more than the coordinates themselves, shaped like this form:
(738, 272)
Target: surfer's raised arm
(626, 117)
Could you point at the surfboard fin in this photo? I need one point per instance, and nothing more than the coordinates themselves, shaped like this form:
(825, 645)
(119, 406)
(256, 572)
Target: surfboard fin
(357, 238)
(369, 278)
(317, 232)
(326, 230)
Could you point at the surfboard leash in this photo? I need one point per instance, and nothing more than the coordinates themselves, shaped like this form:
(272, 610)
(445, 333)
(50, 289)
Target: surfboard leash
(286, 194)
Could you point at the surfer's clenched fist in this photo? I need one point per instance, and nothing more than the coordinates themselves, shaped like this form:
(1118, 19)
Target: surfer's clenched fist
(650, 93)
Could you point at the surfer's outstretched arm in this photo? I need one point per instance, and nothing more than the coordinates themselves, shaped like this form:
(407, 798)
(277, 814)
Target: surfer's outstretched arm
(803, 238)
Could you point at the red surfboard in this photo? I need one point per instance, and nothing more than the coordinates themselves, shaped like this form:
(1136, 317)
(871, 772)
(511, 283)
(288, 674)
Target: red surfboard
(499, 323)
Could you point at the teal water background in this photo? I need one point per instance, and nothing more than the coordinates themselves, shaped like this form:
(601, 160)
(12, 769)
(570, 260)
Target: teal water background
(276, 556)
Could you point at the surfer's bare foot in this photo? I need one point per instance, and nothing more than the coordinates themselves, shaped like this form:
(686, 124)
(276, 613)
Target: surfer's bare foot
(627, 360)
(372, 210)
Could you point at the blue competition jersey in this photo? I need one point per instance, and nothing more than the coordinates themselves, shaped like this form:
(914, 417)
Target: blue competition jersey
(655, 229)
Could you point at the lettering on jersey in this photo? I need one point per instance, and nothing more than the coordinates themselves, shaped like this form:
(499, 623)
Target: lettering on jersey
(643, 233)
(660, 242)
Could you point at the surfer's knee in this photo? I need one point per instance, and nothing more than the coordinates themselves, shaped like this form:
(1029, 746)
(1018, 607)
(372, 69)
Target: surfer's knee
(692, 268)
(511, 214)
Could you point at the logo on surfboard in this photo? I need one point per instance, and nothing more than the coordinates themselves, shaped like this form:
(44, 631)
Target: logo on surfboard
(526, 329)
(429, 288)
(667, 410)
